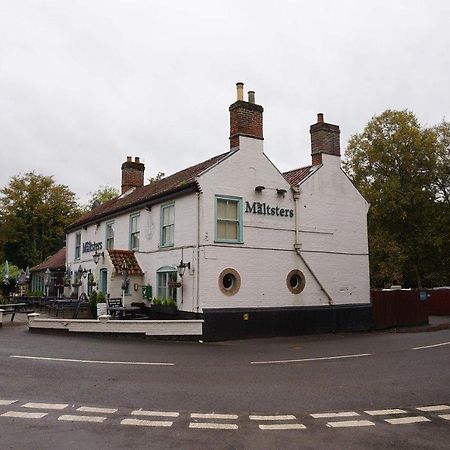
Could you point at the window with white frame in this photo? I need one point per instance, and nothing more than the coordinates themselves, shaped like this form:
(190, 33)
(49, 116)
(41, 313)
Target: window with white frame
(164, 277)
(167, 225)
(134, 232)
(228, 219)
(78, 245)
(109, 236)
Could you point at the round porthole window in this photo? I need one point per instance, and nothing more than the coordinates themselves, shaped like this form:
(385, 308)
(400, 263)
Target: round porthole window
(229, 281)
(295, 281)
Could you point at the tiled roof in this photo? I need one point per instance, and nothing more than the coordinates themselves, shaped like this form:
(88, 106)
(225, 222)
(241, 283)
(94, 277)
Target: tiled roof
(296, 176)
(177, 182)
(52, 262)
(119, 256)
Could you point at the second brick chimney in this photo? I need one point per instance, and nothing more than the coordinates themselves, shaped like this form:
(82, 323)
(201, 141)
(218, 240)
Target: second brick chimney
(132, 174)
(325, 138)
(246, 118)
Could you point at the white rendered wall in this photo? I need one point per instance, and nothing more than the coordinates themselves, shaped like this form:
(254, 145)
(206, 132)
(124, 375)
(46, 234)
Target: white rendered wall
(333, 233)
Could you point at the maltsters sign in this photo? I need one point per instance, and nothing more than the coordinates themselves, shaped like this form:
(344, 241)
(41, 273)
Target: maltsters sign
(266, 209)
(91, 246)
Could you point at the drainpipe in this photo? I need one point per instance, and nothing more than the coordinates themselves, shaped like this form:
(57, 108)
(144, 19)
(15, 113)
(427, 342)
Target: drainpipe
(198, 254)
(298, 246)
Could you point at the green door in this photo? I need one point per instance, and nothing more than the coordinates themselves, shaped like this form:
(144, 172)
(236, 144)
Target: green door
(104, 281)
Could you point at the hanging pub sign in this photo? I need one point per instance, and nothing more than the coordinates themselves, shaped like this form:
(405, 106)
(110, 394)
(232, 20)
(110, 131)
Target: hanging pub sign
(91, 246)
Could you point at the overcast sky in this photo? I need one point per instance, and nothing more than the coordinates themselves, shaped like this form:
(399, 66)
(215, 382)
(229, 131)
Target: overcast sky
(85, 83)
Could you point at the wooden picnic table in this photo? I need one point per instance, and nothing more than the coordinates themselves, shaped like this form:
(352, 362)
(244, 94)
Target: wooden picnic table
(123, 312)
(15, 308)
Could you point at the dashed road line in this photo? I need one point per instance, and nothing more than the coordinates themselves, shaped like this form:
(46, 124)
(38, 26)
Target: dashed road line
(325, 358)
(433, 408)
(24, 415)
(45, 405)
(444, 416)
(350, 423)
(213, 416)
(431, 346)
(97, 410)
(278, 417)
(385, 412)
(74, 418)
(336, 414)
(283, 426)
(407, 420)
(142, 412)
(7, 402)
(146, 423)
(91, 361)
(213, 426)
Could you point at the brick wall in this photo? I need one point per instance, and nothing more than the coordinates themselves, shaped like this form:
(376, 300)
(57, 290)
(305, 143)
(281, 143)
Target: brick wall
(246, 119)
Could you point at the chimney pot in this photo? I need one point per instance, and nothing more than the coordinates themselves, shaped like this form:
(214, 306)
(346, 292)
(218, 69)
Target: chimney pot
(251, 96)
(320, 117)
(128, 158)
(136, 159)
(240, 90)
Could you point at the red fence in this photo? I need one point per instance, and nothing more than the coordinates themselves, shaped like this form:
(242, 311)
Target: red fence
(399, 308)
(439, 302)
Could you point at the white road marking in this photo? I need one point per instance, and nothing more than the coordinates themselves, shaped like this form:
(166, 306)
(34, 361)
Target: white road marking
(97, 410)
(432, 346)
(283, 426)
(73, 418)
(405, 420)
(213, 416)
(279, 417)
(214, 426)
(350, 423)
(141, 412)
(146, 423)
(24, 415)
(445, 416)
(383, 412)
(434, 408)
(45, 405)
(286, 361)
(337, 414)
(7, 402)
(89, 361)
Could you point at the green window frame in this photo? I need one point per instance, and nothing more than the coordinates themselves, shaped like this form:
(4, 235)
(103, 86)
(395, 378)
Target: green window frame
(167, 225)
(134, 232)
(228, 219)
(163, 276)
(109, 235)
(78, 245)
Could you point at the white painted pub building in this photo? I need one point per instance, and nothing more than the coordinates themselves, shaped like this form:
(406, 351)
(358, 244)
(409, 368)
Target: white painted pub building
(265, 252)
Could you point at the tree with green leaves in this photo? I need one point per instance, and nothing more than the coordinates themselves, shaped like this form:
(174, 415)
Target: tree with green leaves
(101, 195)
(400, 167)
(34, 212)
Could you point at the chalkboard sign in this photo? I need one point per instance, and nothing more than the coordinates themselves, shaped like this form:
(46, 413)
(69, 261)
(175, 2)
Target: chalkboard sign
(114, 302)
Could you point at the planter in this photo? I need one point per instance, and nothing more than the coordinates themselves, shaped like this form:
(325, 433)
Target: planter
(164, 309)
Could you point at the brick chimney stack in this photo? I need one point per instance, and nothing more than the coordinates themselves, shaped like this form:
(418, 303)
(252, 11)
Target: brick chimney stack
(132, 174)
(246, 118)
(325, 138)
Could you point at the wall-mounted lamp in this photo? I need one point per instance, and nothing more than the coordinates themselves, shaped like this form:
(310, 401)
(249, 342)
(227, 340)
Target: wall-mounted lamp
(80, 271)
(96, 256)
(182, 267)
(281, 192)
(259, 188)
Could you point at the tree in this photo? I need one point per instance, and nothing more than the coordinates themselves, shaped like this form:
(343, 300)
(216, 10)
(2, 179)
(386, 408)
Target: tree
(34, 212)
(157, 177)
(101, 195)
(395, 164)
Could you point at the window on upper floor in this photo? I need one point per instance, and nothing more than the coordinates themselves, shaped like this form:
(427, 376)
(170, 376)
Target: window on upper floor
(134, 232)
(78, 245)
(109, 236)
(228, 219)
(167, 225)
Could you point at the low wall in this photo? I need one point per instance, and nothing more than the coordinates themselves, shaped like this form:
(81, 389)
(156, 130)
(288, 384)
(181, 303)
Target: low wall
(104, 325)
(439, 302)
(399, 308)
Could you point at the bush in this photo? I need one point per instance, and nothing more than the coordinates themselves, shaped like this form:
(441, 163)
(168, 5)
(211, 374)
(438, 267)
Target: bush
(101, 297)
